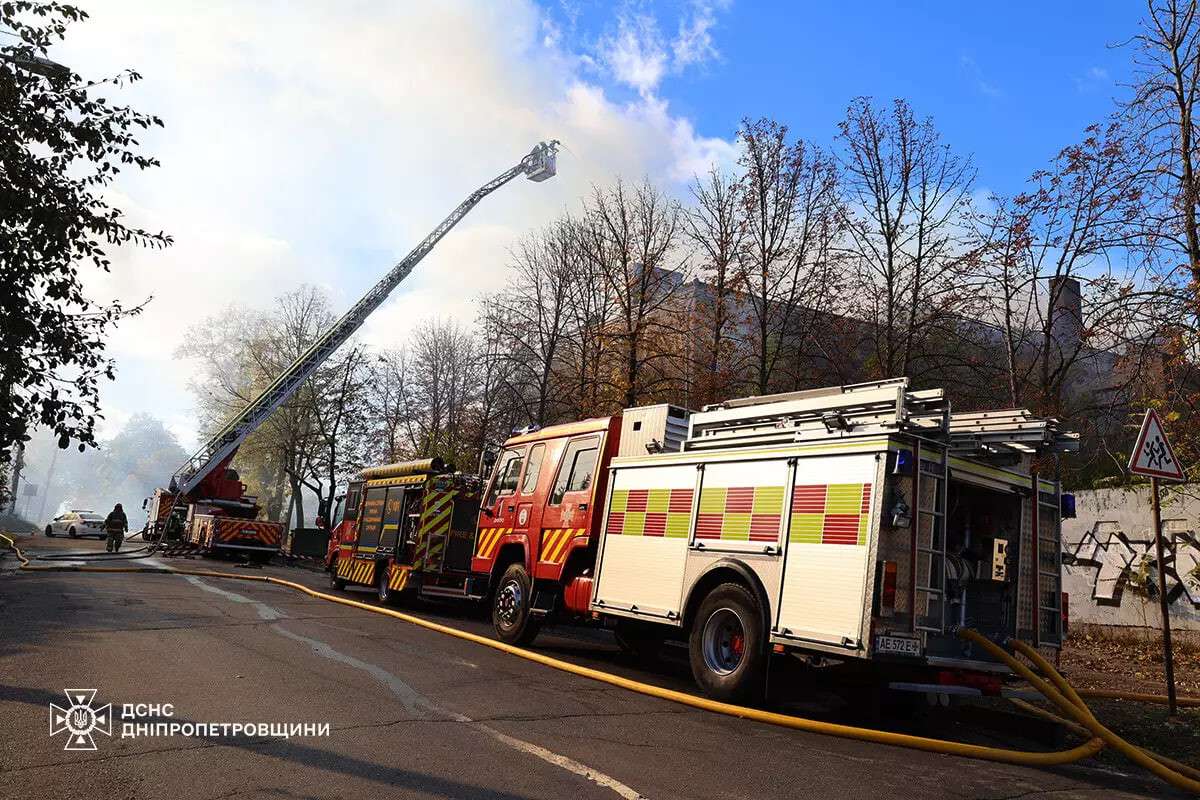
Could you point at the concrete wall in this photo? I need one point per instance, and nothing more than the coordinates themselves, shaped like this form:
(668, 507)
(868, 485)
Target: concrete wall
(1104, 546)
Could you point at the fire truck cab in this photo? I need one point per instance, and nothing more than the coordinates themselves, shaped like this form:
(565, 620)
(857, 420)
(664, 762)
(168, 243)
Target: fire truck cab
(406, 527)
(862, 522)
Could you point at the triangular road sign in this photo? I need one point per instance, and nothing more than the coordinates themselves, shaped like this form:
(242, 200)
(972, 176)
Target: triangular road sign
(1152, 455)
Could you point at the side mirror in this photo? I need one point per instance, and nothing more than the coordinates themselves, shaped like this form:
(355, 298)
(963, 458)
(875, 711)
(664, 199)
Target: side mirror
(145, 502)
(321, 522)
(489, 459)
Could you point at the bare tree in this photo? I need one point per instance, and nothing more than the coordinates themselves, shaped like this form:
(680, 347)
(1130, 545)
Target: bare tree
(907, 196)
(534, 307)
(387, 408)
(591, 311)
(440, 391)
(497, 406)
(773, 171)
(716, 227)
(1162, 115)
(338, 403)
(631, 237)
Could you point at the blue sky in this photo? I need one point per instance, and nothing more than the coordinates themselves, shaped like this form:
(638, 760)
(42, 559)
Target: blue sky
(316, 142)
(1010, 82)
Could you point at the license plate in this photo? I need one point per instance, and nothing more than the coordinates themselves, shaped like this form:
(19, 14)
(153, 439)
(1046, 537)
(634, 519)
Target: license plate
(897, 645)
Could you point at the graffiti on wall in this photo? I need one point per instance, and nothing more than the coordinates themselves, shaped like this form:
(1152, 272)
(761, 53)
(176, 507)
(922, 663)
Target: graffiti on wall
(1122, 560)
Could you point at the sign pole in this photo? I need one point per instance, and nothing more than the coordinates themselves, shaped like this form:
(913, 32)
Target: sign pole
(1153, 458)
(1163, 603)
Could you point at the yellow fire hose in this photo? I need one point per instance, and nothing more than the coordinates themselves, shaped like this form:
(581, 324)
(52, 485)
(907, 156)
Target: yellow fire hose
(1161, 699)
(1076, 709)
(1080, 713)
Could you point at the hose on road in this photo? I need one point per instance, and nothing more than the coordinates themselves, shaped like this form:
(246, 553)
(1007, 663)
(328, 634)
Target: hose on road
(1074, 708)
(92, 555)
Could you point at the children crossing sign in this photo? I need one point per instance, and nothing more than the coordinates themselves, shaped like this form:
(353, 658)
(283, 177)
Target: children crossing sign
(1152, 455)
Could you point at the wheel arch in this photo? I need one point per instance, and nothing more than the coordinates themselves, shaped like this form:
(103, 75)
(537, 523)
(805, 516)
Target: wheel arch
(727, 570)
(512, 551)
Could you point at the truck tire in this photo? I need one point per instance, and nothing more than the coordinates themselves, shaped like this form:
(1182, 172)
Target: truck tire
(727, 647)
(382, 590)
(511, 607)
(71, 533)
(335, 582)
(49, 532)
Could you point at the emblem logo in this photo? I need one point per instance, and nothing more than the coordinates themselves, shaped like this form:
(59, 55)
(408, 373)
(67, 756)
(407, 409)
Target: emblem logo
(80, 719)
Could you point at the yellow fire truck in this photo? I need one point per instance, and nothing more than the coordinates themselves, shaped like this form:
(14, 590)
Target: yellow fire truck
(408, 526)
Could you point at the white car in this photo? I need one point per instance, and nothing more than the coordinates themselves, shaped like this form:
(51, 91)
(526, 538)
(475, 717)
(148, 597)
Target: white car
(77, 523)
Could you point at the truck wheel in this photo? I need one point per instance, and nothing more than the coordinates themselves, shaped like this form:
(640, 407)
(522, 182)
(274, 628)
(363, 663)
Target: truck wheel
(511, 607)
(382, 590)
(71, 533)
(335, 582)
(726, 645)
(49, 532)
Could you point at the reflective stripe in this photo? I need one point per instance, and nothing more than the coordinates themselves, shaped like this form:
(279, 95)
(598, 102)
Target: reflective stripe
(398, 578)
(555, 541)
(488, 539)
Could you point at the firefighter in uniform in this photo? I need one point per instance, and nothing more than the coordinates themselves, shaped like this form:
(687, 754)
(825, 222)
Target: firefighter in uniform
(115, 524)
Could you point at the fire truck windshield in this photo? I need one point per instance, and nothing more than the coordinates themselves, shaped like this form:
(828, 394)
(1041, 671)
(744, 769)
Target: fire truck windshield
(509, 469)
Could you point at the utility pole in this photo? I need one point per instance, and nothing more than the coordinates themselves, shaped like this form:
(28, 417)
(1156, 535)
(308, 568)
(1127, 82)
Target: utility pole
(18, 465)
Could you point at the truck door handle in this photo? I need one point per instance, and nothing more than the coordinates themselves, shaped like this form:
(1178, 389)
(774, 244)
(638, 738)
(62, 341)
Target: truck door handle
(583, 506)
(510, 508)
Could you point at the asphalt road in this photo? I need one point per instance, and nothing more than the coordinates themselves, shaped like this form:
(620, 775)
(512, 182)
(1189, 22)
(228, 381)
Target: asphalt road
(412, 713)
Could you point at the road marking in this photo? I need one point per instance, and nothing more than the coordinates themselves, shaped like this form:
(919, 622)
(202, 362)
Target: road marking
(593, 775)
(414, 701)
(264, 611)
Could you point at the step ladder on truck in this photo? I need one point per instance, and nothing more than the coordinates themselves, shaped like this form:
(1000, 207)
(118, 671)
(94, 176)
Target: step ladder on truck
(207, 486)
(861, 522)
(406, 528)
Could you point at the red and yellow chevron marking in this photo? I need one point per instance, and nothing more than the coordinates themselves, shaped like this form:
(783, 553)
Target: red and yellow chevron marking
(397, 578)
(488, 539)
(435, 525)
(357, 570)
(267, 533)
(554, 543)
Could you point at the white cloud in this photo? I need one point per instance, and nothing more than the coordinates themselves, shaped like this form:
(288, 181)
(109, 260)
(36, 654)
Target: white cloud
(636, 53)
(694, 43)
(318, 145)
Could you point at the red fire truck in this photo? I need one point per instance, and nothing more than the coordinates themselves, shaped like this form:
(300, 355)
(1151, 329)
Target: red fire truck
(223, 519)
(855, 522)
(407, 527)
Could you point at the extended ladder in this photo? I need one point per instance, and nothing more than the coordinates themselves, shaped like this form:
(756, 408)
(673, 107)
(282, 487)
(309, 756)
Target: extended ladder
(538, 165)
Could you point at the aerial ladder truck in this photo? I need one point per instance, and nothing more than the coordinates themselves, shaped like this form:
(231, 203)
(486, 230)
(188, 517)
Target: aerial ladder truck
(206, 502)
